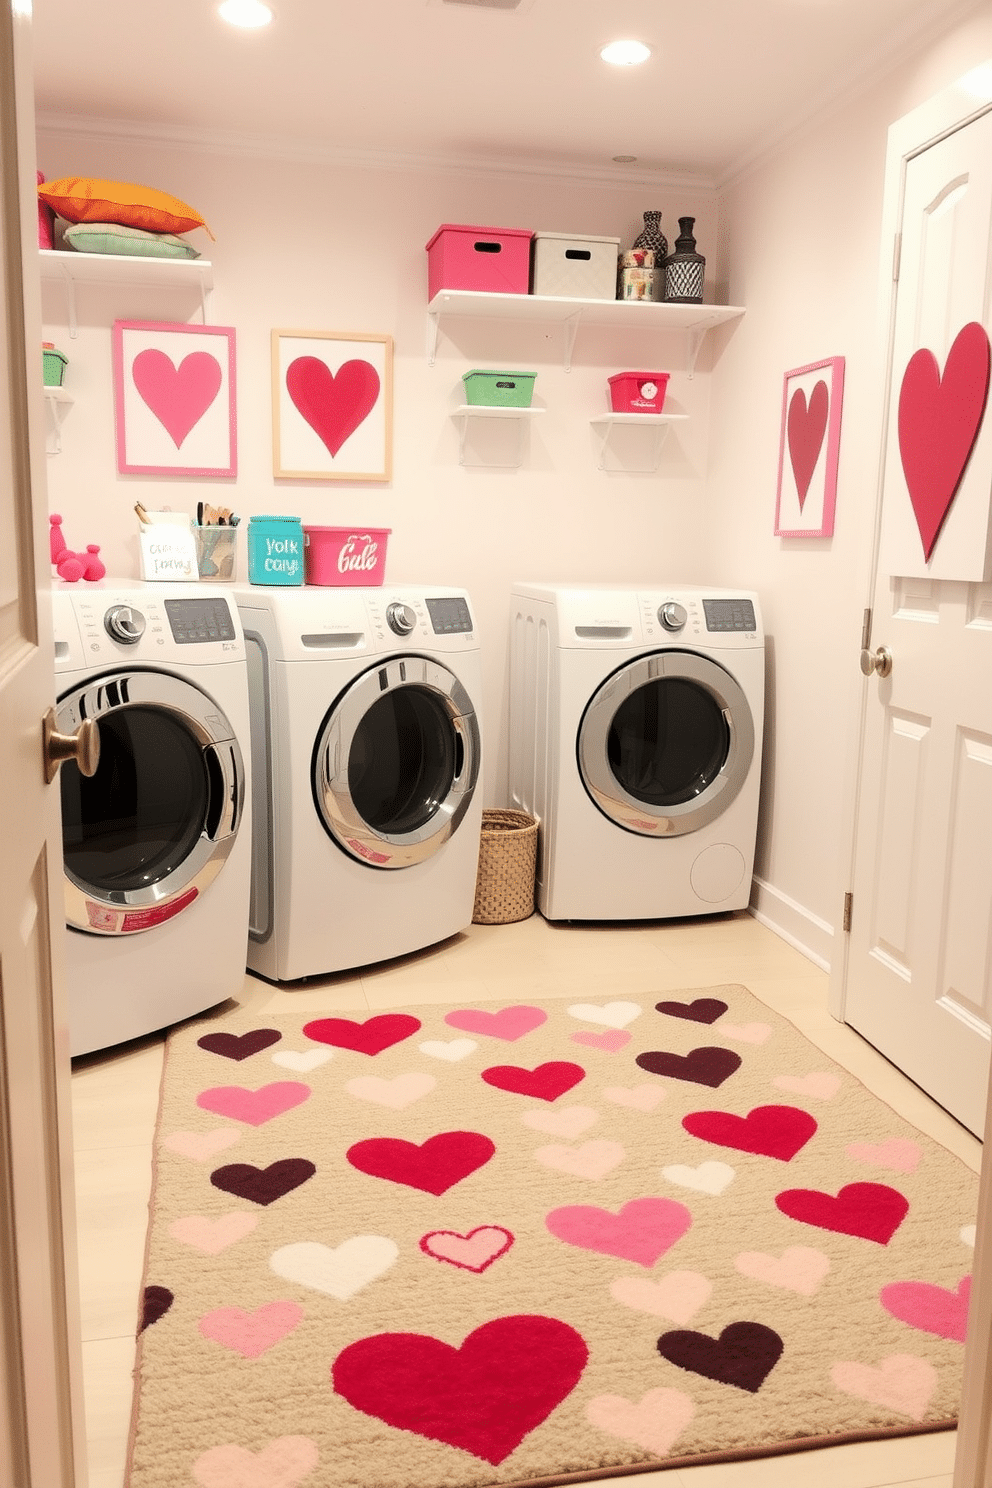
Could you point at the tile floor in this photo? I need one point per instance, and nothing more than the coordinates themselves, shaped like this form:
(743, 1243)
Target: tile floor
(115, 1098)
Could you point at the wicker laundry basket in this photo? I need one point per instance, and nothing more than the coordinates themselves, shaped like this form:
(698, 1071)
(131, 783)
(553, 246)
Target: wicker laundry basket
(504, 889)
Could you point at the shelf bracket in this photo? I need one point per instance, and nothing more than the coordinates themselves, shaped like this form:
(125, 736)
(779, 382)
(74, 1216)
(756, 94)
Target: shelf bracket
(659, 435)
(432, 331)
(70, 299)
(57, 409)
(571, 325)
(463, 420)
(696, 339)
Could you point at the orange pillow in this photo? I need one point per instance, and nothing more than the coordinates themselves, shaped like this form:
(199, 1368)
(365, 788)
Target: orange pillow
(84, 199)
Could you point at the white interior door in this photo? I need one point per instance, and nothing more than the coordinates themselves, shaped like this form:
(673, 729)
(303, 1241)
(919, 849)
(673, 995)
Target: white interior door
(919, 961)
(40, 1416)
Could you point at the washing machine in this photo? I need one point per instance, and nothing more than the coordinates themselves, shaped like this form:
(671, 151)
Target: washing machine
(367, 762)
(157, 843)
(636, 721)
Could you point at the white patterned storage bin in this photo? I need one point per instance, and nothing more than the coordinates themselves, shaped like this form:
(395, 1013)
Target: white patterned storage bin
(571, 267)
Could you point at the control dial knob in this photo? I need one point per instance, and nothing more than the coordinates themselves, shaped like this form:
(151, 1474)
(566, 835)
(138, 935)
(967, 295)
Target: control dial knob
(672, 615)
(401, 618)
(125, 624)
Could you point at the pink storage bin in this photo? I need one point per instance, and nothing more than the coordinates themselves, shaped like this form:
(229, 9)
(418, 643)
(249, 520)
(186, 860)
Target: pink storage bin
(491, 260)
(638, 392)
(338, 556)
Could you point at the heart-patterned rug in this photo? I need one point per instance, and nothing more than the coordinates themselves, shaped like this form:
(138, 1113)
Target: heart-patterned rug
(454, 1247)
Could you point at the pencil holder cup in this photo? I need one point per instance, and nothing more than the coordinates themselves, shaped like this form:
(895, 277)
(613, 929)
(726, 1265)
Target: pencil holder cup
(216, 553)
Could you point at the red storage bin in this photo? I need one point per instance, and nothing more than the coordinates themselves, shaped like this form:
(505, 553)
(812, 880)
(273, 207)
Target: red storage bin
(491, 260)
(638, 392)
(339, 556)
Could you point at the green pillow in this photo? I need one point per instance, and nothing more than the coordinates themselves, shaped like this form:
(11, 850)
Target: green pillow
(112, 237)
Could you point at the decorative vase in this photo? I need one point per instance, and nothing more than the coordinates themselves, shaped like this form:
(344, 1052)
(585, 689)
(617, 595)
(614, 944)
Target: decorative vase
(652, 236)
(685, 268)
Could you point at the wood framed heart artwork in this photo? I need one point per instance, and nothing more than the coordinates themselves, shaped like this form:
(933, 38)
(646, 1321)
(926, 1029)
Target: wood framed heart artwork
(812, 401)
(174, 399)
(332, 405)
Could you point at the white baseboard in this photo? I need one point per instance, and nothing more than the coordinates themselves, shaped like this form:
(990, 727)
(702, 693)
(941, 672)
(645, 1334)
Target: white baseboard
(795, 924)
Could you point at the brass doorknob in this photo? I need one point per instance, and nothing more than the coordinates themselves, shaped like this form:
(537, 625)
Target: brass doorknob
(82, 746)
(879, 661)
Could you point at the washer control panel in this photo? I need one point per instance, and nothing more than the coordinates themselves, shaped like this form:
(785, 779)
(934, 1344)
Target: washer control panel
(729, 614)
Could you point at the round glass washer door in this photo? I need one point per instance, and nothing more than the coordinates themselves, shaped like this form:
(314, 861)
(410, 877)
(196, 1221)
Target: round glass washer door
(145, 835)
(396, 762)
(665, 743)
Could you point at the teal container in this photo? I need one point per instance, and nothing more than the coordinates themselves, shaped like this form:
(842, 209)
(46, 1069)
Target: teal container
(275, 550)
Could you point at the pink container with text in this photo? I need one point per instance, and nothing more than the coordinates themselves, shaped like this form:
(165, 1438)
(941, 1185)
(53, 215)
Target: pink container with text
(638, 392)
(338, 556)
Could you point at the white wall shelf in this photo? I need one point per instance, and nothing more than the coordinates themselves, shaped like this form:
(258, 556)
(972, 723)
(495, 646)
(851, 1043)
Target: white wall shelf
(57, 402)
(108, 269)
(694, 320)
(657, 425)
(469, 411)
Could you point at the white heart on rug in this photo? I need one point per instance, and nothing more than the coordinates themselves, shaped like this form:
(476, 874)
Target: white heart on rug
(285, 1462)
(654, 1422)
(213, 1235)
(709, 1177)
(967, 1234)
(746, 1033)
(571, 1121)
(677, 1296)
(454, 1050)
(821, 1084)
(592, 1160)
(798, 1269)
(302, 1060)
(636, 1097)
(613, 1014)
(903, 1382)
(201, 1146)
(397, 1093)
(340, 1271)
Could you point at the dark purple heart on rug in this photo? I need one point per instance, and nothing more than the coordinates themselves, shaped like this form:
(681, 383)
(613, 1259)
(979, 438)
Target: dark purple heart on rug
(239, 1045)
(705, 1066)
(744, 1355)
(434, 1166)
(155, 1303)
(484, 1397)
(769, 1131)
(871, 1211)
(370, 1037)
(703, 1010)
(263, 1185)
(547, 1082)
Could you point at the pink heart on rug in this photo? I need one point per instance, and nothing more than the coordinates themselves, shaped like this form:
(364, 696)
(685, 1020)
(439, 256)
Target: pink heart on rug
(285, 1462)
(798, 1269)
(902, 1383)
(510, 1023)
(177, 396)
(251, 1334)
(642, 1231)
(370, 1037)
(475, 1251)
(590, 1160)
(871, 1211)
(931, 1309)
(397, 1093)
(546, 1082)
(769, 1131)
(484, 1397)
(806, 426)
(654, 1422)
(820, 1084)
(746, 1033)
(333, 404)
(939, 420)
(213, 1235)
(202, 1146)
(635, 1097)
(254, 1107)
(900, 1155)
(434, 1166)
(677, 1296)
(612, 1040)
(571, 1121)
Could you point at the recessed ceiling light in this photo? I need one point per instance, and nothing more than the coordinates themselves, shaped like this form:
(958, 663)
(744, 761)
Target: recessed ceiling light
(245, 13)
(625, 53)
(624, 159)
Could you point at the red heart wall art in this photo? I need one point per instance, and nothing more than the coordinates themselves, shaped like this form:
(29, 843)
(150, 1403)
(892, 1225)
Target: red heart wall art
(177, 396)
(939, 420)
(333, 404)
(806, 425)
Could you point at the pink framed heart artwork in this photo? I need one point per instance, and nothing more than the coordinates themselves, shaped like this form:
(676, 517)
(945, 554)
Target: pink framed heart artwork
(812, 401)
(174, 399)
(332, 405)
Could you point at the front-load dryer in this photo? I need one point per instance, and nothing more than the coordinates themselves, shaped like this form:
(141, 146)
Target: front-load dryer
(635, 736)
(156, 844)
(366, 755)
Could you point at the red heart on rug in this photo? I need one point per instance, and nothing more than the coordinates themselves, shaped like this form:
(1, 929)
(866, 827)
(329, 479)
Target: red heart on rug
(155, 1303)
(239, 1045)
(254, 1106)
(333, 404)
(807, 424)
(642, 1231)
(263, 1185)
(703, 1010)
(932, 1309)
(435, 1166)
(370, 1037)
(744, 1354)
(705, 1066)
(547, 1082)
(939, 420)
(509, 1023)
(769, 1131)
(473, 1252)
(177, 396)
(484, 1397)
(871, 1211)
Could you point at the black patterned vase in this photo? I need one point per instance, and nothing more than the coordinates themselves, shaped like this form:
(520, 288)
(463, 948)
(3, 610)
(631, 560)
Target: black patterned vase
(685, 268)
(651, 236)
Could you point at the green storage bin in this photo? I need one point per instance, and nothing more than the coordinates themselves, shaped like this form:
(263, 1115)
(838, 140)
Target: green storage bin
(53, 365)
(499, 389)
